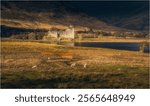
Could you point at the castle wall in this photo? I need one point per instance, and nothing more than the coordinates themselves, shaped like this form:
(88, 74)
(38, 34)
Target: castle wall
(52, 34)
(68, 33)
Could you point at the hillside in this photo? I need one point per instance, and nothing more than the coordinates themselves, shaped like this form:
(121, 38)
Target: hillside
(46, 15)
(130, 15)
(136, 20)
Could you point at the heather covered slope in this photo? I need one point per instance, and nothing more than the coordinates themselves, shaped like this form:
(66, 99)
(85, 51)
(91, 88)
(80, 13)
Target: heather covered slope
(45, 15)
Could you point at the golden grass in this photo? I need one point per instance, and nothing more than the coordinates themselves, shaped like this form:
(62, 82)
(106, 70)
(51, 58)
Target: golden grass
(106, 68)
(90, 56)
(36, 25)
(30, 25)
(94, 55)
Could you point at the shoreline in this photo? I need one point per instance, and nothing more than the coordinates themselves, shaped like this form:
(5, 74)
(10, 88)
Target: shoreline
(136, 40)
(127, 40)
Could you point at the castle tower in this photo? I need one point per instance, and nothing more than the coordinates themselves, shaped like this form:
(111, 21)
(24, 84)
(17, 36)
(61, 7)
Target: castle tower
(70, 32)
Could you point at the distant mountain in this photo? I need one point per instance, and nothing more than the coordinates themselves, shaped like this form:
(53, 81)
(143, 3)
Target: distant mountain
(132, 15)
(31, 15)
(139, 21)
(46, 15)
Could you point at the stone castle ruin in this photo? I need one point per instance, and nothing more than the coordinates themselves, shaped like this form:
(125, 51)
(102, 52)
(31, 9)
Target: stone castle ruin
(67, 33)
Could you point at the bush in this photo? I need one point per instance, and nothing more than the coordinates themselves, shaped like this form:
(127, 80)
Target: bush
(32, 36)
(29, 36)
(20, 36)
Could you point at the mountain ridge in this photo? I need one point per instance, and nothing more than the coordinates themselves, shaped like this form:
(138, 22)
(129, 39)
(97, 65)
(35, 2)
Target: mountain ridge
(47, 15)
(11, 11)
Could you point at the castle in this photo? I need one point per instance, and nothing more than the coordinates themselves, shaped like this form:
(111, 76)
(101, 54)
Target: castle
(67, 33)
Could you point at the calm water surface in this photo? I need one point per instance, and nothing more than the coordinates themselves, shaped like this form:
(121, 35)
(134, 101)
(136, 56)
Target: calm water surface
(111, 45)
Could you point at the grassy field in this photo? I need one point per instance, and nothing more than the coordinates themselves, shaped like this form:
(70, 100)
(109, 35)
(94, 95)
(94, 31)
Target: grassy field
(24, 66)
